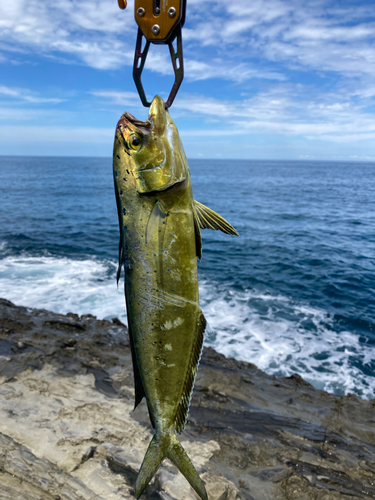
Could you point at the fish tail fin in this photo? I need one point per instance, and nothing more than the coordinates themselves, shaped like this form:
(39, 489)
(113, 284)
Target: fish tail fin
(168, 446)
(179, 457)
(155, 453)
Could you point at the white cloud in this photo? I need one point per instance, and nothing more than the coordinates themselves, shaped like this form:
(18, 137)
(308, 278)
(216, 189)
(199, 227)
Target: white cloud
(347, 138)
(117, 96)
(298, 35)
(56, 134)
(26, 95)
(220, 68)
(90, 31)
(9, 114)
(329, 46)
(314, 115)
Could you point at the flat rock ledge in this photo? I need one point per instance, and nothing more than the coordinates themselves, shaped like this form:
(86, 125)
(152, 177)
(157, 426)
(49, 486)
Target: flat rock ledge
(68, 430)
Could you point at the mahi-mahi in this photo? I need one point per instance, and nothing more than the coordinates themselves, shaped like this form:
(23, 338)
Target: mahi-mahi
(160, 241)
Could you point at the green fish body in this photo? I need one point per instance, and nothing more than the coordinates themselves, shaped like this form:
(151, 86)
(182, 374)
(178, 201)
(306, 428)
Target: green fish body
(159, 243)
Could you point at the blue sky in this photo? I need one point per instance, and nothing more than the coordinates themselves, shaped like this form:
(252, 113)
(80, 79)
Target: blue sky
(264, 79)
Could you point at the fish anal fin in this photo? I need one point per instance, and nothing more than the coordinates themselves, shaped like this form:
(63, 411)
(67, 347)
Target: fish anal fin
(138, 385)
(208, 219)
(183, 407)
(156, 218)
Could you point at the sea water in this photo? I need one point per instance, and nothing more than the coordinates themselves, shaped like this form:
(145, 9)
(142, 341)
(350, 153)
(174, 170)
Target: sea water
(293, 294)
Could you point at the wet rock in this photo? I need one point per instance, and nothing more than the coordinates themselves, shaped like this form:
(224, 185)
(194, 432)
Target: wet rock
(117, 322)
(219, 488)
(68, 430)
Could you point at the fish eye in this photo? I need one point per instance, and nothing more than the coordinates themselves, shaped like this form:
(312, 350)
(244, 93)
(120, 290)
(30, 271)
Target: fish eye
(135, 142)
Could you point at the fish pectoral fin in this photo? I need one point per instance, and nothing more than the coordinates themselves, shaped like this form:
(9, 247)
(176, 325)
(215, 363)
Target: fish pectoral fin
(183, 406)
(208, 219)
(157, 217)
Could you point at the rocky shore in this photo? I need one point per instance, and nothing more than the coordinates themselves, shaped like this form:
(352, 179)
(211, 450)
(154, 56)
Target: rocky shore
(68, 430)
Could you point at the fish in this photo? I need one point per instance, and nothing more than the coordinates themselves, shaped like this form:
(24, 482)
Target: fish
(160, 241)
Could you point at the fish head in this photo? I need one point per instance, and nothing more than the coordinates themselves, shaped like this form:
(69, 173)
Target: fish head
(154, 151)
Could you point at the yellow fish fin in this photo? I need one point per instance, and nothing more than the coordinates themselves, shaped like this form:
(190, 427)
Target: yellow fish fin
(156, 218)
(208, 219)
(183, 407)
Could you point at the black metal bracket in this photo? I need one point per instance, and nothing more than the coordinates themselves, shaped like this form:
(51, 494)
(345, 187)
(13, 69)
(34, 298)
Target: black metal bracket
(177, 62)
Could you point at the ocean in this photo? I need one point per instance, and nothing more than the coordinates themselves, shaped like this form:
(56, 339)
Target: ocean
(293, 294)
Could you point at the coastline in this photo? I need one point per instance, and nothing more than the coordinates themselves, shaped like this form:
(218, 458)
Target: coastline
(68, 430)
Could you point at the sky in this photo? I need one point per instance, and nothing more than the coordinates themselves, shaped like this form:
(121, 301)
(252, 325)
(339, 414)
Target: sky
(264, 79)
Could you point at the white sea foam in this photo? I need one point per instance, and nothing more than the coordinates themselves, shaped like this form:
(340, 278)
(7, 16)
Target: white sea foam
(281, 337)
(63, 285)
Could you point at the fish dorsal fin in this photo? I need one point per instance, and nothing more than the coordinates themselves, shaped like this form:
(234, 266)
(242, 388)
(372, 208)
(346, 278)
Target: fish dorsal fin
(198, 238)
(183, 407)
(208, 219)
(156, 218)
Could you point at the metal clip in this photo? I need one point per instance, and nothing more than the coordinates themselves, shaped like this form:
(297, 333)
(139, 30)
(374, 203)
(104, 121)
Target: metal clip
(177, 62)
(159, 22)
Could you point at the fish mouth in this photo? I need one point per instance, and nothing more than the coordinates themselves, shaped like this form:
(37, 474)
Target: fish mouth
(140, 124)
(141, 170)
(128, 121)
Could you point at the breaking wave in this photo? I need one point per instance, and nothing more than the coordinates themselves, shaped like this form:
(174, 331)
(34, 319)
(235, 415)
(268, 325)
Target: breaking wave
(63, 285)
(274, 332)
(282, 337)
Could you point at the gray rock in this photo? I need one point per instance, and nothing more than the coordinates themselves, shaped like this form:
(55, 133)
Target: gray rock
(68, 430)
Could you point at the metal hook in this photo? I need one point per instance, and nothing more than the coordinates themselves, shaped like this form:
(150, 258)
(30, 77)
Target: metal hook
(139, 62)
(178, 65)
(177, 62)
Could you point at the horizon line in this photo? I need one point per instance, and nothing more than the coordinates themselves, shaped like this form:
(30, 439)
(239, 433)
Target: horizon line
(351, 160)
